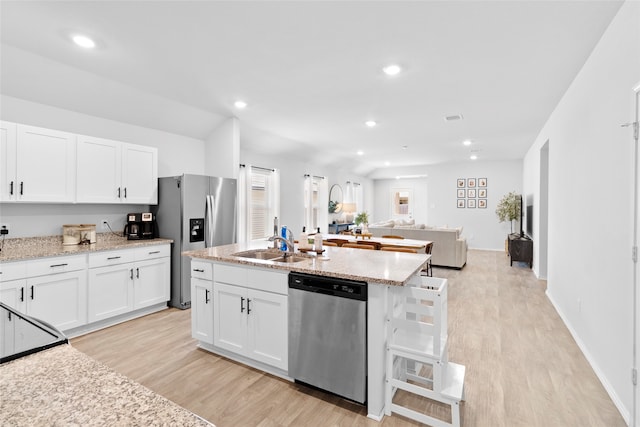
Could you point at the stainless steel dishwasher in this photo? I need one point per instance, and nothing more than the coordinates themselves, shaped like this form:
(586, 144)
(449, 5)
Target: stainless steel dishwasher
(328, 334)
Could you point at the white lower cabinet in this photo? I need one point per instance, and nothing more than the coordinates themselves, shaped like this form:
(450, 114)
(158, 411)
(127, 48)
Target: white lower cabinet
(125, 280)
(51, 289)
(250, 313)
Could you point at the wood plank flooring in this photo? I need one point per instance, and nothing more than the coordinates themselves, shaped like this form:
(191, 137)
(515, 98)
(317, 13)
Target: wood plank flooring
(523, 366)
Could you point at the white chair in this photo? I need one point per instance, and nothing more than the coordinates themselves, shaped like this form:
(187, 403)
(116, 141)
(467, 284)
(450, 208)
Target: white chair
(417, 359)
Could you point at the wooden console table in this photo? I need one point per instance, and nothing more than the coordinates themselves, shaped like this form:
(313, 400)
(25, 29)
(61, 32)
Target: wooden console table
(520, 249)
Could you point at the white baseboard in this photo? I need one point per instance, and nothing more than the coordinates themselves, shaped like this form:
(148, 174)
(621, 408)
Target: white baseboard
(601, 376)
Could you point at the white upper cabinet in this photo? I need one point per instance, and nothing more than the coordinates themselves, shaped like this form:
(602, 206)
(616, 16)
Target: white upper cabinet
(7, 161)
(116, 172)
(139, 174)
(99, 167)
(50, 166)
(45, 165)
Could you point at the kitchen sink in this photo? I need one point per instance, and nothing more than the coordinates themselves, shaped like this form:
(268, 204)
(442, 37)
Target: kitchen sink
(269, 255)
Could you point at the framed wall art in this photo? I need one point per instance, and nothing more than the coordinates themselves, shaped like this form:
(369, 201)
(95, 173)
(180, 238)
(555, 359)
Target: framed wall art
(471, 203)
(471, 193)
(461, 203)
(482, 182)
(482, 203)
(461, 182)
(461, 193)
(471, 182)
(482, 193)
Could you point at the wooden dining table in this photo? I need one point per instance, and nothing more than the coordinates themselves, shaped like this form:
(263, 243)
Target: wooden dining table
(419, 245)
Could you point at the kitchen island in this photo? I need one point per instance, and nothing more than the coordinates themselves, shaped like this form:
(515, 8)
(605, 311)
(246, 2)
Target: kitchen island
(221, 272)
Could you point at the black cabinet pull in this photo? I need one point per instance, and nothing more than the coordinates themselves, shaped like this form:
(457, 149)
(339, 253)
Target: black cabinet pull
(22, 294)
(154, 252)
(248, 306)
(131, 275)
(199, 270)
(125, 192)
(9, 315)
(112, 258)
(21, 188)
(206, 296)
(119, 192)
(11, 188)
(241, 305)
(58, 265)
(137, 273)
(32, 292)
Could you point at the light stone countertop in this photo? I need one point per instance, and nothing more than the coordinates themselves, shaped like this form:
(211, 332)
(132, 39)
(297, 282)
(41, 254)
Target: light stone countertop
(387, 268)
(63, 387)
(26, 248)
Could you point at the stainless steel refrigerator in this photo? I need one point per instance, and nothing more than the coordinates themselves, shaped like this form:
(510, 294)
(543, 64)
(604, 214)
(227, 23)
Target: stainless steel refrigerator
(196, 211)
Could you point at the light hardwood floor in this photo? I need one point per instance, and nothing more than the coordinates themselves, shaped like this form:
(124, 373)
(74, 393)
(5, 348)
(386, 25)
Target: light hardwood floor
(523, 366)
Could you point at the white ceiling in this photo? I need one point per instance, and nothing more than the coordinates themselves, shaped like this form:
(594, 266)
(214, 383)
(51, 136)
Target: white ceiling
(311, 71)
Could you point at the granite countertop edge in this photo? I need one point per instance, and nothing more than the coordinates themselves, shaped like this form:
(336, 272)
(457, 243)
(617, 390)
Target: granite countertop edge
(29, 248)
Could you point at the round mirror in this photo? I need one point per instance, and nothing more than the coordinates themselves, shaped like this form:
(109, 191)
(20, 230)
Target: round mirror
(335, 199)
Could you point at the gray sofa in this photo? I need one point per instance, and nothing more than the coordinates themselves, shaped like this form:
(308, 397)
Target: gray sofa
(449, 249)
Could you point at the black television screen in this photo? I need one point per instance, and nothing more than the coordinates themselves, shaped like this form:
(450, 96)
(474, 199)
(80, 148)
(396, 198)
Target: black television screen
(529, 216)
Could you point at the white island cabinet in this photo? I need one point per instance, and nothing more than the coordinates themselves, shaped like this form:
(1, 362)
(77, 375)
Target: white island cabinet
(247, 311)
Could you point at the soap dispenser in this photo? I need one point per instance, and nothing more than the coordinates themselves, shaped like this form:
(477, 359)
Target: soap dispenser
(303, 239)
(317, 241)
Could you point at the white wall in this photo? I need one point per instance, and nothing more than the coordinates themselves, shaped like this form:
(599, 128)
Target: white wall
(436, 199)
(222, 150)
(176, 155)
(590, 203)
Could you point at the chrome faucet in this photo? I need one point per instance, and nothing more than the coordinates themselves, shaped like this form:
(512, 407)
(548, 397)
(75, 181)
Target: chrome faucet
(289, 241)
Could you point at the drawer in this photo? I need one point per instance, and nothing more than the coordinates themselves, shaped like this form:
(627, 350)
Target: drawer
(55, 265)
(12, 271)
(226, 273)
(152, 252)
(269, 281)
(106, 258)
(201, 270)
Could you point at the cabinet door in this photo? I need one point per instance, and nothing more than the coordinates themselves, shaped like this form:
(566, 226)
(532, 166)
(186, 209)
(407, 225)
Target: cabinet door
(110, 291)
(7, 161)
(13, 293)
(139, 174)
(151, 282)
(45, 165)
(267, 329)
(202, 310)
(59, 299)
(99, 171)
(230, 317)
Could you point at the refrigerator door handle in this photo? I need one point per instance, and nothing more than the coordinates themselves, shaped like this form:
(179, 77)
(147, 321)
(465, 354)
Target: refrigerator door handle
(209, 222)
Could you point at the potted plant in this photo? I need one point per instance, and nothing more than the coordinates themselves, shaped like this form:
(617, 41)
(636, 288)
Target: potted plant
(362, 218)
(509, 208)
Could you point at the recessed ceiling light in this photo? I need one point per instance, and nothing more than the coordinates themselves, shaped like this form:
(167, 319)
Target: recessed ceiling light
(83, 41)
(473, 157)
(387, 163)
(371, 123)
(392, 70)
(466, 142)
(240, 104)
(404, 147)
(360, 153)
(453, 117)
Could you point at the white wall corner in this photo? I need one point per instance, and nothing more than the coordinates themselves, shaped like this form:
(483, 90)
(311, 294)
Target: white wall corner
(222, 150)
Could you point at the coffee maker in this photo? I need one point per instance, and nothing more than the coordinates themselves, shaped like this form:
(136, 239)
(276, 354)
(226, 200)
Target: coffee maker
(141, 226)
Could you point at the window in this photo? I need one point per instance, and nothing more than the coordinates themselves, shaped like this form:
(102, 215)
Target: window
(316, 200)
(259, 202)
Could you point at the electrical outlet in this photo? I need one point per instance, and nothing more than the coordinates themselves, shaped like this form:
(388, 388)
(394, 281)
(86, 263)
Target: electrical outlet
(103, 225)
(4, 229)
